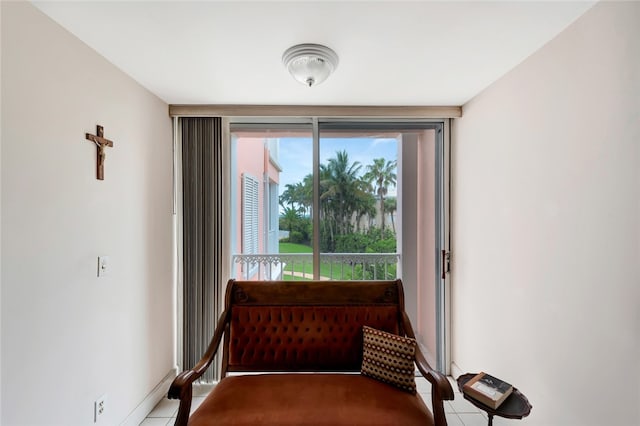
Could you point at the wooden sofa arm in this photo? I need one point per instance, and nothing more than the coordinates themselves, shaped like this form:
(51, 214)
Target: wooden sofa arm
(441, 389)
(182, 386)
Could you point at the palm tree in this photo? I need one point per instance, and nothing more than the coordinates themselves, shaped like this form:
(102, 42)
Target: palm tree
(295, 196)
(290, 217)
(366, 207)
(382, 174)
(306, 193)
(298, 196)
(288, 196)
(341, 189)
(390, 206)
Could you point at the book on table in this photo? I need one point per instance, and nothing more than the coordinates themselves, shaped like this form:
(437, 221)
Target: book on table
(487, 389)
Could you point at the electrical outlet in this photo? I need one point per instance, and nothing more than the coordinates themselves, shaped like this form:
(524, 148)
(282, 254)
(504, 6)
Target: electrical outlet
(99, 408)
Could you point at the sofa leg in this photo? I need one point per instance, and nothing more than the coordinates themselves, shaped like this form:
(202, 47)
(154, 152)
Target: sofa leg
(439, 416)
(185, 406)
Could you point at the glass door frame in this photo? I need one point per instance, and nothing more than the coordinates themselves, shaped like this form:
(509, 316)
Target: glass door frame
(442, 175)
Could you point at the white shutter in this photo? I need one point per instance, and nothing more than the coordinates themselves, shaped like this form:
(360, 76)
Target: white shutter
(250, 187)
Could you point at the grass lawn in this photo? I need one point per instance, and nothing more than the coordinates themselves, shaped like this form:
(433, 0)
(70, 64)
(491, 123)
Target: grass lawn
(338, 273)
(325, 270)
(294, 248)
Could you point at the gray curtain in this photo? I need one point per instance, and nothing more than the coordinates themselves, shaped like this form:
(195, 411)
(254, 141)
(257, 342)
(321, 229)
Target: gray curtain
(202, 235)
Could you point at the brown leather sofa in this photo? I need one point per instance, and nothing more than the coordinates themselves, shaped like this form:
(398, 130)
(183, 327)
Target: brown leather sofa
(305, 338)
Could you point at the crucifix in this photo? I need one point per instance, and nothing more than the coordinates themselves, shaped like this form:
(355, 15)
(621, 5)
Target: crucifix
(101, 144)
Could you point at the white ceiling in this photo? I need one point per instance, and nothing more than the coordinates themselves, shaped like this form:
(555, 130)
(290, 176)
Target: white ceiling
(391, 53)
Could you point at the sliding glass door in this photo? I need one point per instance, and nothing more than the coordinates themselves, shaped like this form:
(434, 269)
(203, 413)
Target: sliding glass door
(390, 183)
(344, 199)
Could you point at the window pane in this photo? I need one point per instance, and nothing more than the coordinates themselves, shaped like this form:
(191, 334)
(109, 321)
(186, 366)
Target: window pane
(271, 224)
(378, 210)
(358, 203)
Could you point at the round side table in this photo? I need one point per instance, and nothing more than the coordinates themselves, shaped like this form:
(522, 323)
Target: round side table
(516, 406)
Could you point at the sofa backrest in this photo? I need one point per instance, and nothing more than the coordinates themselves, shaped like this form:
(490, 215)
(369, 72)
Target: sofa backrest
(306, 326)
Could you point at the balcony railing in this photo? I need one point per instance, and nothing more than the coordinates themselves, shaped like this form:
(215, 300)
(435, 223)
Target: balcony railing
(333, 266)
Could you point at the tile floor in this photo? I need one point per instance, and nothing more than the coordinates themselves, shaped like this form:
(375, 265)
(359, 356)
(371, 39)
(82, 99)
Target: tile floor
(459, 411)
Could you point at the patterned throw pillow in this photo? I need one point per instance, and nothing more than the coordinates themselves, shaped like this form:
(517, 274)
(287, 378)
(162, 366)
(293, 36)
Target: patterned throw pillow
(389, 358)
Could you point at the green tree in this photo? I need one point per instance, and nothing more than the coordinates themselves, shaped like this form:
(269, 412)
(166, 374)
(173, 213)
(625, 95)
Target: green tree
(288, 196)
(366, 206)
(382, 174)
(300, 228)
(289, 219)
(390, 206)
(306, 193)
(295, 197)
(341, 192)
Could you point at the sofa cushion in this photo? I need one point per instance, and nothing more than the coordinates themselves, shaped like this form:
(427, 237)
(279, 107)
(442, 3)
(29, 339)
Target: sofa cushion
(389, 358)
(309, 399)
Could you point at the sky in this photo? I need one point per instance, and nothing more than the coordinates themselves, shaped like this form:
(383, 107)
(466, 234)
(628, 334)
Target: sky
(295, 154)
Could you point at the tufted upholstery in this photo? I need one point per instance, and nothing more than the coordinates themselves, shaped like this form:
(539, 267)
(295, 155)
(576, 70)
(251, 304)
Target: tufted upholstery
(303, 338)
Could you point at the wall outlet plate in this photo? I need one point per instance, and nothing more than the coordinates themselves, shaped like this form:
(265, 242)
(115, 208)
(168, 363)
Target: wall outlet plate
(99, 408)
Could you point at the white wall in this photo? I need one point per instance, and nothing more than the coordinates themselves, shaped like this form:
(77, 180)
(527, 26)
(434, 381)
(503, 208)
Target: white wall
(67, 336)
(546, 225)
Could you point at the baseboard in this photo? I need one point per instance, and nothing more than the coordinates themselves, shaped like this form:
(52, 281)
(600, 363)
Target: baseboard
(160, 391)
(456, 371)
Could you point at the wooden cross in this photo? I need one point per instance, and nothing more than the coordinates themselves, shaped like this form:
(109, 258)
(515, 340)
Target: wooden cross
(101, 144)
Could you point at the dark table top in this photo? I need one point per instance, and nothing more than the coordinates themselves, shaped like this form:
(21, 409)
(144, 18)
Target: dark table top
(516, 406)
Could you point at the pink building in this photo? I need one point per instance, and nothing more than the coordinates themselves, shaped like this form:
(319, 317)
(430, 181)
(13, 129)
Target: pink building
(255, 175)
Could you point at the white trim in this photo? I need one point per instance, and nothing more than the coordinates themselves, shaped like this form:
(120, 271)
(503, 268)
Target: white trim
(151, 400)
(178, 245)
(446, 225)
(439, 112)
(225, 262)
(456, 371)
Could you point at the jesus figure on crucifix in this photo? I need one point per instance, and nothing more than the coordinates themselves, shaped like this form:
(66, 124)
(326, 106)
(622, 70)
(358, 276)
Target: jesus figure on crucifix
(101, 144)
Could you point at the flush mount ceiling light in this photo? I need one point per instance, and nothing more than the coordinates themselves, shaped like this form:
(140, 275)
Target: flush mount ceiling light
(310, 64)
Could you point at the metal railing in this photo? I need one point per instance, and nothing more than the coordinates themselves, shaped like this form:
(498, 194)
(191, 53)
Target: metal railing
(333, 266)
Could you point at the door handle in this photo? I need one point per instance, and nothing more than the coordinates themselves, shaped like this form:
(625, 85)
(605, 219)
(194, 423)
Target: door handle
(445, 257)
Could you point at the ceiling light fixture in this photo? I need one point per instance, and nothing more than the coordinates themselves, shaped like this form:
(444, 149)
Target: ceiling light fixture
(310, 64)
